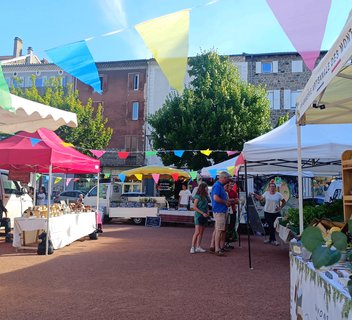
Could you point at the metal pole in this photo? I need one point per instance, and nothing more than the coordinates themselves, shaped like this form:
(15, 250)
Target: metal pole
(248, 233)
(48, 211)
(300, 186)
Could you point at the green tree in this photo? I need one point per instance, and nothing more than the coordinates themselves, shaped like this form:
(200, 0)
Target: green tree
(282, 119)
(217, 111)
(91, 132)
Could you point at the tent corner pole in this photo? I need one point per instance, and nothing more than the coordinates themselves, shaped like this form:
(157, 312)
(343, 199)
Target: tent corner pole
(247, 218)
(300, 182)
(48, 211)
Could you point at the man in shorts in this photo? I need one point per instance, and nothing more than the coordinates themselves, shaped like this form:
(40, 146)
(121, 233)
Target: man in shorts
(220, 203)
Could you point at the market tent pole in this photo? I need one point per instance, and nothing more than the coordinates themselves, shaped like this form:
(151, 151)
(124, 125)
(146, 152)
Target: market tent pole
(247, 222)
(48, 212)
(300, 186)
(98, 196)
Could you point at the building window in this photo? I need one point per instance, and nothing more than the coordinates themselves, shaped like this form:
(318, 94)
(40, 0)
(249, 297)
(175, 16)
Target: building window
(18, 82)
(133, 81)
(290, 98)
(136, 82)
(39, 82)
(297, 66)
(135, 110)
(294, 96)
(267, 67)
(131, 143)
(274, 98)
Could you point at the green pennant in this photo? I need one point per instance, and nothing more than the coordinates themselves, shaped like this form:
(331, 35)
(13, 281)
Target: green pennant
(193, 174)
(37, 176)
(5, 98)
(151, 153)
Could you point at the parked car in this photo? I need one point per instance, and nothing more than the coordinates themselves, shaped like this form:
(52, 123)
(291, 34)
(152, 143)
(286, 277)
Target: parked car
(70, 195)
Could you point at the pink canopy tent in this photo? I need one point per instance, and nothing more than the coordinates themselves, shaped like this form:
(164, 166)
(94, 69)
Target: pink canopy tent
(36, 152)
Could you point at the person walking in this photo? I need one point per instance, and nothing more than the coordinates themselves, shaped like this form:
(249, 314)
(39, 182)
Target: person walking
(274, 202)
(220, 203)
(201, 214)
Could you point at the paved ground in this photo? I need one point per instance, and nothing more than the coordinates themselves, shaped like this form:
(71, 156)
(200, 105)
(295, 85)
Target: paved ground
(134, 272)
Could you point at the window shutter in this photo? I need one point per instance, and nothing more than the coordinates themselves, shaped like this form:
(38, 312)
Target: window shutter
(277, 99)
(275, 66)
(258, 67)
(297, 66)
(287, 99)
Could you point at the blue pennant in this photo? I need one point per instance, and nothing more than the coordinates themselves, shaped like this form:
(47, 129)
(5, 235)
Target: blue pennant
(34, 141)
(122, 177)
(76, 59)
(179, 153)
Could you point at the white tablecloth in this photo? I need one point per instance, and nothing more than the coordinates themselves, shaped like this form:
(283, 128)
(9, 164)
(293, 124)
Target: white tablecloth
(63, 230)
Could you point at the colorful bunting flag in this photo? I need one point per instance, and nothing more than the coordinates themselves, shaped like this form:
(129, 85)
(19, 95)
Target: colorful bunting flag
(193, 174)
(107, 175)
(231, 170)
(123, 154)
(175, 176)
(304, 22)
(206, 152)
(122, 177)
(98, 153)
(231, 153)
(240, 160)
(139, 176)
(67, 144)
(179, 153)
(57, 180)
(167, 38)
(34, 141)
(68, 181)
(37, 176)
(76, 59)
(5, 97)
(213, 173)
(151, 153)
(156, 177)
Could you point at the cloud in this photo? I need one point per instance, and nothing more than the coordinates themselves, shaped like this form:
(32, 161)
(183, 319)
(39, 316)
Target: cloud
(114, 12)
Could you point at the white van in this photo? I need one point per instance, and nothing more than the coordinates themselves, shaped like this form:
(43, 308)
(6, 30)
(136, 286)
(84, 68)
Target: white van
(13, 197)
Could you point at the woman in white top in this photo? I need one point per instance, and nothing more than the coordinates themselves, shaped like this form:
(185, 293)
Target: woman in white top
(41, 197)
(274, 202)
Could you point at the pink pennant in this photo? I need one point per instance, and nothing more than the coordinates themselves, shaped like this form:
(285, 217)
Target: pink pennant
(76, 179)
(175, 176)
(240, 160)
(156, 177)
(231, 153)
(68, 181)
(98, 153)
(304, 22)
(123, 154)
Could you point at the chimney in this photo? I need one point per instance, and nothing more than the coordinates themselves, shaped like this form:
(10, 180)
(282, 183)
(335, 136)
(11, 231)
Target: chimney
(17, 47)
(30, 50)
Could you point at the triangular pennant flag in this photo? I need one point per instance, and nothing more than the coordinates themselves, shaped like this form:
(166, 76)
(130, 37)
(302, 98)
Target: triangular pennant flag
(57, 180)
(213, 173)
(304, 22)
(206, 152)
(88, 179)
(5, 97)
(151, 153)
(107, 175)
(193, 174)
(179, 153)
(231, 170)
(240, 160)
(123, 154)
(139, 176)
(76, 59)
(37, 176)
(98, 153)
(175, 176)
(34, 141)
(67, 144)
(156, 177)
(76, 179)
(231, 153)
(68, 181)
(122, 177)
(167, 38)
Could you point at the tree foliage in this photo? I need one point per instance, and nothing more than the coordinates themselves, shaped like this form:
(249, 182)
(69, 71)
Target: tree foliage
(282, 119)
(91, 132)
(217, 111)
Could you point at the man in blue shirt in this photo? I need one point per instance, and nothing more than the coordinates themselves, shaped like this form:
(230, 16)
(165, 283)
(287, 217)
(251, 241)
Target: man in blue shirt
(220, 203)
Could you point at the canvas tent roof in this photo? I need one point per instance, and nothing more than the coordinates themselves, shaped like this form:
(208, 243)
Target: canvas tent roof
(221, 166)
(19, 153)
(330, 85)
(31, 116)
(322, 146)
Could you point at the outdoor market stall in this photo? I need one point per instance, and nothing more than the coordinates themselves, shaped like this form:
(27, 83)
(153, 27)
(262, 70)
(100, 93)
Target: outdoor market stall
(44, 152)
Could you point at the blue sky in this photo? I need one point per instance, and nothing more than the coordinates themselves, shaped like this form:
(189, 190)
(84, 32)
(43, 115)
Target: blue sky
(229, 26)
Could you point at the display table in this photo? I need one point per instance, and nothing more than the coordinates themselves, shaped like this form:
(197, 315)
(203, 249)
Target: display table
(63, 230)
(314, 295)
(177, 216)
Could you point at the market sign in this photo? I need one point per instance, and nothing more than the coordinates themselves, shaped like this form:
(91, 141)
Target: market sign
(23, 177)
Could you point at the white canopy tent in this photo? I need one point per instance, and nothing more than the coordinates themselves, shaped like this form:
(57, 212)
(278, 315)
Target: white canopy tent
(30, 116)
(327, 96)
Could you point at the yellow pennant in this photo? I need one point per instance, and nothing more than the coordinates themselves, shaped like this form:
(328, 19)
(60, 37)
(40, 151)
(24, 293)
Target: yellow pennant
(231, 170)
(167, 38)
(67, 144)
(206, 152)
(139, 176)
(57, 180)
